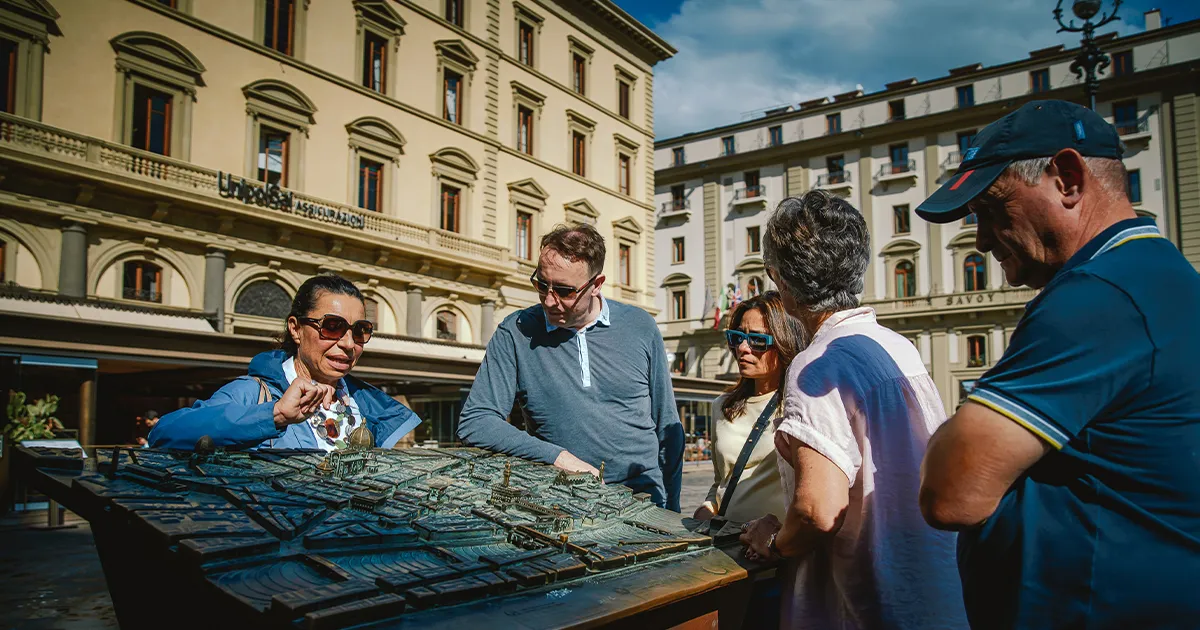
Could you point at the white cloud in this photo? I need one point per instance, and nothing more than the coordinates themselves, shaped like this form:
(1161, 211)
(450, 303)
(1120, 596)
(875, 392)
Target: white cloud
(738, 56)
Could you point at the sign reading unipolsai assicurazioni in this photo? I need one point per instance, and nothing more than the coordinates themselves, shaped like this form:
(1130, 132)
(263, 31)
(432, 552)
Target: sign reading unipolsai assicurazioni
(276, 198)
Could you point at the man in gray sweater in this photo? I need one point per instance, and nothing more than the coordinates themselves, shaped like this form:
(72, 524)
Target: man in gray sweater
(590, 373)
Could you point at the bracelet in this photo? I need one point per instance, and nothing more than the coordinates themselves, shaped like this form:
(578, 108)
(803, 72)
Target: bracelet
(771, 546)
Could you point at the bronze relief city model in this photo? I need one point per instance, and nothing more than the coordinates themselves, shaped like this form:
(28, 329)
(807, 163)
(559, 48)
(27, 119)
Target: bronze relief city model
(364, 534)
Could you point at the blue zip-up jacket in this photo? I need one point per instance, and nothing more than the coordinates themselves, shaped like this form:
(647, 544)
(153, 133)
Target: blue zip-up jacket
(234, 419)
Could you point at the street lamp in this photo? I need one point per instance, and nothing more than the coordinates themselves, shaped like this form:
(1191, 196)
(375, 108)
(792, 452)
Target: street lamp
(1090, 56)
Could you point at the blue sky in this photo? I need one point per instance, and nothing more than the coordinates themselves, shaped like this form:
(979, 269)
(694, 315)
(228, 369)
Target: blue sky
(741, 56)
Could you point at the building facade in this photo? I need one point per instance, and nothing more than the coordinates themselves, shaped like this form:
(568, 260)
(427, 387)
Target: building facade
(885, 152)
(172, 170)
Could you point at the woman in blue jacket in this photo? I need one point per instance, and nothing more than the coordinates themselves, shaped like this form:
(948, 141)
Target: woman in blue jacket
(302, 395)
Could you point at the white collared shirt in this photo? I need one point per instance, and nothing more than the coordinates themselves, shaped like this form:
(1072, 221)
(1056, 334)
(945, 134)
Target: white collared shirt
(860, 395)
(581, 336)
(316, 422)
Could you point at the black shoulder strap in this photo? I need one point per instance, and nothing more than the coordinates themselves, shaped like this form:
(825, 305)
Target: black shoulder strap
(747, 449)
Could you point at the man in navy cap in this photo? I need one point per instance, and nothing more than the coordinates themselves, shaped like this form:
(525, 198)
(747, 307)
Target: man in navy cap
(1073, 469)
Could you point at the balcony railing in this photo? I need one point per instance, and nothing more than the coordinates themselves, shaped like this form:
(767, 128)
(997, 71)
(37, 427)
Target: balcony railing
(675, 205)
(32, 137)
(1132, 127)
(750, 192)
(130, 293)
(834, 178)
(898, 168)
(952, 160)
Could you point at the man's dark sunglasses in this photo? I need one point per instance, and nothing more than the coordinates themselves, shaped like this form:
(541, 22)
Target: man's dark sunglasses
(563, 292)
(334, 327)
(757, 341)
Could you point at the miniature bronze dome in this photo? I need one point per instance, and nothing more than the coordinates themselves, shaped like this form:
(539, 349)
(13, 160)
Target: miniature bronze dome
(362, 437)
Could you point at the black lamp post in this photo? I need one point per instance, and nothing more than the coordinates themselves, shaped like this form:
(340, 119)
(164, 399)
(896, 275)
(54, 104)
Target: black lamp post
(1090, 56)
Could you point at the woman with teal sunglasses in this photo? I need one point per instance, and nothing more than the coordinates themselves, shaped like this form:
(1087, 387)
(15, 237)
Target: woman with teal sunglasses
(762, 340)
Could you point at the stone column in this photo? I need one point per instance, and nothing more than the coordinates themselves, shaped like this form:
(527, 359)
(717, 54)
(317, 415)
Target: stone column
(933, 231)
(940, 368)
(72, 268)
(864, 183)
(415, 299)
(997, 348)
(487, 321)
(214, 284)
(87, 408)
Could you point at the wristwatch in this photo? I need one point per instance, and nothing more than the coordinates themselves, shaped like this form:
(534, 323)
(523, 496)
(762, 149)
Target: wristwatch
(771, 545)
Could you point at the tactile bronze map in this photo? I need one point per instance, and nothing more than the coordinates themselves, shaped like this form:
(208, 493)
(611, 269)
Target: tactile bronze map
(367, 535)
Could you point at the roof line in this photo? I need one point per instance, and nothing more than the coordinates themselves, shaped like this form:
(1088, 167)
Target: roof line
(985, 72)
(657, 45)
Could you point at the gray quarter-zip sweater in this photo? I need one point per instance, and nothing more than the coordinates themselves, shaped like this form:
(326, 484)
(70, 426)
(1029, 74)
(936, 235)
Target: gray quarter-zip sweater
(625, 417)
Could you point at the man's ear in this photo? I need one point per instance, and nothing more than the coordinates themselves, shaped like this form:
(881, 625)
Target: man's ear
(1070, 174)
(598, 283)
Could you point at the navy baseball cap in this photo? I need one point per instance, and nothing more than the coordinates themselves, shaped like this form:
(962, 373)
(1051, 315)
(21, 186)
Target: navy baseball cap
(1037, 129)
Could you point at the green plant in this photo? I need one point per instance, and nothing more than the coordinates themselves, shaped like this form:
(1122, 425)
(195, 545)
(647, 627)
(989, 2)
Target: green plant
(33, 421)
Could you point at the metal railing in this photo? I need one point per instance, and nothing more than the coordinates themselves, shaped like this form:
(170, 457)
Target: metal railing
(675, 205)
(144, 295)
(750, 192)
(1130, 127)
(898, 168)
(33, 137)
(952, 160)
(833, 179)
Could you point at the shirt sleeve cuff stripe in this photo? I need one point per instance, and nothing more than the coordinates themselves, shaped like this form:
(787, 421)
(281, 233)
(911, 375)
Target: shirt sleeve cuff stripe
(1022, 416)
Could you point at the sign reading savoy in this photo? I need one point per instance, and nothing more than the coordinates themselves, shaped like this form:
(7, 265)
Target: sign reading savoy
(276, 198)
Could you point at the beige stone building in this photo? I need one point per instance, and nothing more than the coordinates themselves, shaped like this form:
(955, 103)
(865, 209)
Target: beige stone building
(171, 171)
(886, 152)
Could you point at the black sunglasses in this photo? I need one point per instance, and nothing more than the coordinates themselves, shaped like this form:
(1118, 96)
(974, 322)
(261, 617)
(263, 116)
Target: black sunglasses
(334, 327)
(561, 291)
(757, 341)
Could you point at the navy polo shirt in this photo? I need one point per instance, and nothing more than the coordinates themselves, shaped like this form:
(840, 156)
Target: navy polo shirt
(1104, 531)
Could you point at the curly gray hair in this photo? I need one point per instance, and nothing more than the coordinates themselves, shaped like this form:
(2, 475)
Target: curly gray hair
(818, 248)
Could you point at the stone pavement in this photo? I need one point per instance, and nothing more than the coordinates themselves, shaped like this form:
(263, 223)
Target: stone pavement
(697, 479)
(52, 579)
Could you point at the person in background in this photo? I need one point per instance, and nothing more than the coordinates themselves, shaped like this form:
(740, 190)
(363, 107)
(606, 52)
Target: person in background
(858, 409)
(142, 425)
(301, 395)
(763, 339)
(1071, 469)
(591, 375)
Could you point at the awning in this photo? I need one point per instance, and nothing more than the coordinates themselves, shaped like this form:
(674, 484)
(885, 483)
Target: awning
(53, 361)
(92, 313)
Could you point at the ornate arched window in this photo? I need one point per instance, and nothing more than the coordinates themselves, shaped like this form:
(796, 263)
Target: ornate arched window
(906, 279)
(975, 273)
(447, 325)
(158, 82)
(280, 117)
(265, 299)
(976, 351)
(142, 281)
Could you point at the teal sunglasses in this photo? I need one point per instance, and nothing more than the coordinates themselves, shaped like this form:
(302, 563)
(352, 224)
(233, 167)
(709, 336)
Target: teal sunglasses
(757, 341)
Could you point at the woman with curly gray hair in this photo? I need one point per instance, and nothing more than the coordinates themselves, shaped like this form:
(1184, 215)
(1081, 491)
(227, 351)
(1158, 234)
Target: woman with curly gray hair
(858, 410)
